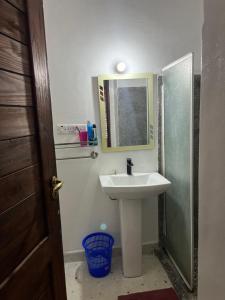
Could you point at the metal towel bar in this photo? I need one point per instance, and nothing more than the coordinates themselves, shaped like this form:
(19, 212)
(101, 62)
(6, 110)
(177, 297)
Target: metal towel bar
(60, 146)
(92, 155)
(65, 144)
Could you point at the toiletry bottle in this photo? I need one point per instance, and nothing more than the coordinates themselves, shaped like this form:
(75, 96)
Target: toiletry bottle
(94, 135)
(90, 132)
(83, 134)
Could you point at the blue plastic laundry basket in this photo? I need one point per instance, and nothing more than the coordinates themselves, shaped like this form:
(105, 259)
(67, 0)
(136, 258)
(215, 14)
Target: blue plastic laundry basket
(98, 250)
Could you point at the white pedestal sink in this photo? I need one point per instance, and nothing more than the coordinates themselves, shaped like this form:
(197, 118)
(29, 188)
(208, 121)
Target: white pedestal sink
(130, 190)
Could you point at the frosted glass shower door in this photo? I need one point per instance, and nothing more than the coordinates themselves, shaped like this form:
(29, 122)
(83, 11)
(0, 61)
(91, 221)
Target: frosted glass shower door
(178, 164)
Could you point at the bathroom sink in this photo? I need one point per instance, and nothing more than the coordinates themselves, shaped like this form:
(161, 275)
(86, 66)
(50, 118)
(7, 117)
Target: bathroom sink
(129, 190)
(136, 186)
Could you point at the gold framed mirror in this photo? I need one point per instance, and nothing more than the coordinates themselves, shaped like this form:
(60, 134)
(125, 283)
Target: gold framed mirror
(126, 112)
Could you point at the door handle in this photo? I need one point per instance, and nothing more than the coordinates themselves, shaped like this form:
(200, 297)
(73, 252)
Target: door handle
(56, 186)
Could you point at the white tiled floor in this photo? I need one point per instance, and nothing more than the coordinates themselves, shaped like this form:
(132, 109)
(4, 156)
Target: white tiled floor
(81, 286)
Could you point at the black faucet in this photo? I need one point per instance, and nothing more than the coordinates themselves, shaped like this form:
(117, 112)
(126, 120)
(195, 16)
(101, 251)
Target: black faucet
(129, 166)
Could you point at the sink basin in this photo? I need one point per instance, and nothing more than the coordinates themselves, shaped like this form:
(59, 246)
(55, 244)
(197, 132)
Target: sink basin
(129, 190)
(136, 186)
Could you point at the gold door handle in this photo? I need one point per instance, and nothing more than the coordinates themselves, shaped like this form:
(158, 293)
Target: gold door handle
(56, 186)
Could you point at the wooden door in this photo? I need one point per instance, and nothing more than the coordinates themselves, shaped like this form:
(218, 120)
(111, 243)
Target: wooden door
(31, 260)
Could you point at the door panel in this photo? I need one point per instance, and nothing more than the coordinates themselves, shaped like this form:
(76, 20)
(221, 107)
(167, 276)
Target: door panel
(31, 256)
(15, 89)
(16, 122)
(20, 4)
(36, 277)
(21, 229)
(18, 186)
(178, 164)
(16, 154)
(13, 22)
(14, 56)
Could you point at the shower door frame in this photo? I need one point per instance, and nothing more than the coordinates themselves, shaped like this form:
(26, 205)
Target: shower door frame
(191, 284)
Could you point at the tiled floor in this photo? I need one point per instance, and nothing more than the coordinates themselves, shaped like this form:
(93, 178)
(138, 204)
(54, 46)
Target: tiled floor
(81, 286)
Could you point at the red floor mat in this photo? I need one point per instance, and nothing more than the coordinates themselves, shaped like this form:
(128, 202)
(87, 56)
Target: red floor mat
(165, 294)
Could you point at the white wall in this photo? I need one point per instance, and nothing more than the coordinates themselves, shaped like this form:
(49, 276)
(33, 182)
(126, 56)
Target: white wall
(212, 156)
(84, 39)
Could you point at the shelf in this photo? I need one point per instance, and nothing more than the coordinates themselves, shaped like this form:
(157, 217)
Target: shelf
(73, 145)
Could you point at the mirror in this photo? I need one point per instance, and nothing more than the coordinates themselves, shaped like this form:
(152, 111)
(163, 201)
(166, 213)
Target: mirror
(126, 110)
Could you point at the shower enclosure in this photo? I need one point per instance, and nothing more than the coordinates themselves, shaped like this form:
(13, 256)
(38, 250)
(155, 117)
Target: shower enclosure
(177, 163)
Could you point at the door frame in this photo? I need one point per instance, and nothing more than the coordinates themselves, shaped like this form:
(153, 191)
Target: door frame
(41, 91)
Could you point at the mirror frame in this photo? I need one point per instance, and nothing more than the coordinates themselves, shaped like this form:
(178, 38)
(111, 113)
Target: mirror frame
(101, 92)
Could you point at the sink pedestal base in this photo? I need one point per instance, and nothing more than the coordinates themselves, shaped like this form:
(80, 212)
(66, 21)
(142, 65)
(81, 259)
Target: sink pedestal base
(131, 236)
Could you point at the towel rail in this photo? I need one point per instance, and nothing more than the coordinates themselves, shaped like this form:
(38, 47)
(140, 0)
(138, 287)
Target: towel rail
(92, 155)
(73, 145)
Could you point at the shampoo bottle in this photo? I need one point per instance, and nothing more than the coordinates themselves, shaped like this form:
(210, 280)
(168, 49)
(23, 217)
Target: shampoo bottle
(90, 132)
